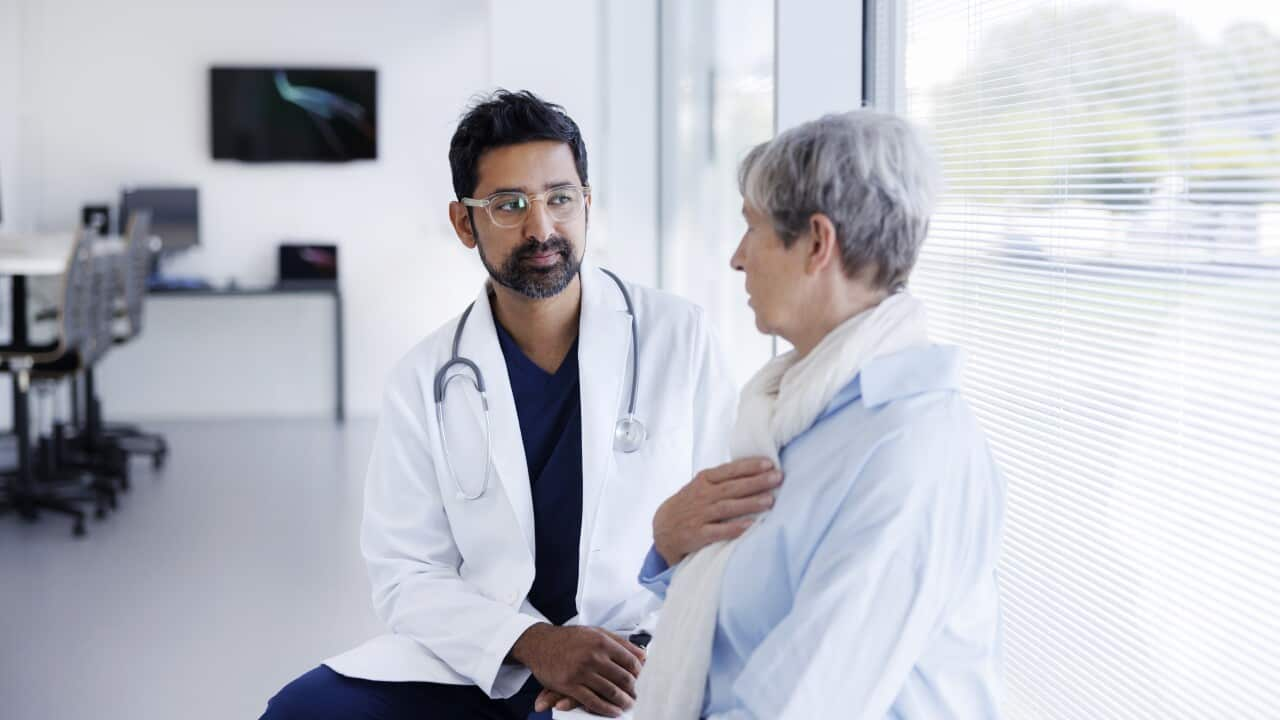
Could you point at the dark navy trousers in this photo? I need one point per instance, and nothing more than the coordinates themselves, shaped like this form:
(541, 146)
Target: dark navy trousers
(323, 694)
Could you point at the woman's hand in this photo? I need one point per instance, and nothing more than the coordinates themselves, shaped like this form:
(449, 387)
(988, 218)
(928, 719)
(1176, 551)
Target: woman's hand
(549, 699)
(718, 504)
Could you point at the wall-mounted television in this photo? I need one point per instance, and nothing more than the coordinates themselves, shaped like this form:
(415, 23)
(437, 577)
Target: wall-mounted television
(293, 114)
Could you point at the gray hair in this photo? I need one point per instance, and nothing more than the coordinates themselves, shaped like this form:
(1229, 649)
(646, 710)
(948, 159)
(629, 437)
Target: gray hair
(872, 173)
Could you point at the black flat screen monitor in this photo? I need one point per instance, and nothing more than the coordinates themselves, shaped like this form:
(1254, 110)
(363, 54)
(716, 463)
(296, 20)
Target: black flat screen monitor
(292, 114)
(175, 214)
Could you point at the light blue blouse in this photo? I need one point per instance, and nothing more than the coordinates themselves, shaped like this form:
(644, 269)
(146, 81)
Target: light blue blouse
(869, 590)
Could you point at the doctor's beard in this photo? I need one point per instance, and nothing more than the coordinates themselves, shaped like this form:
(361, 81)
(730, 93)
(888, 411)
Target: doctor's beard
(535, 282)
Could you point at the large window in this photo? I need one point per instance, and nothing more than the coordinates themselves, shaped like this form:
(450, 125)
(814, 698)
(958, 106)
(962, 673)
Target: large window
(717, 102)
(1108, 251)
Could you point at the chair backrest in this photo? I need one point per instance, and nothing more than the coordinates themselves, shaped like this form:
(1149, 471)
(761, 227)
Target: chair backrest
(138, 255)
(75, 301)
(104, 271)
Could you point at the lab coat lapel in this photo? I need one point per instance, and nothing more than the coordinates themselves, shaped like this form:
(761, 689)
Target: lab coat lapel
(480, 343)
(604, 344)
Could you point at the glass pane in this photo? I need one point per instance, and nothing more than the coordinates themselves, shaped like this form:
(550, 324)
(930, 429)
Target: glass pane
(1109, 254)
(719, 103)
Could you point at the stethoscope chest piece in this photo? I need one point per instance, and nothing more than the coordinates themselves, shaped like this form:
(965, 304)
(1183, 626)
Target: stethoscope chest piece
(629, 434)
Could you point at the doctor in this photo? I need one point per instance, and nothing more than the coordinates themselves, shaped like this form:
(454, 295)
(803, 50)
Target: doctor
(522, 451)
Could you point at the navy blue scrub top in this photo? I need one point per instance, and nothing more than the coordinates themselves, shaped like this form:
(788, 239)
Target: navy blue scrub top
(551, 426)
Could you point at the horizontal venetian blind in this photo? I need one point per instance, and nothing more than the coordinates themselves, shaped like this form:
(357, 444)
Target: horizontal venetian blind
(1108, 252)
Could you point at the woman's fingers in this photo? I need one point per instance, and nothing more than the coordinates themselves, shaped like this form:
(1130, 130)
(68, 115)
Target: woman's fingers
(593, 702)
(741, 507)
(727, 530)
(547, 699)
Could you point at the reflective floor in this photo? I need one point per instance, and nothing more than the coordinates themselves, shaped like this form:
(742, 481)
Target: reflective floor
(219, 579)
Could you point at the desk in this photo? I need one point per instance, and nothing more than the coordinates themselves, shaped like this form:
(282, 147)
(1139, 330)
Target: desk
(27, 255)
(21, 260)
(24, 257)
(339, 408)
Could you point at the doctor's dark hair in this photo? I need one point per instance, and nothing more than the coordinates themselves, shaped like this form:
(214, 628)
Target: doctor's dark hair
(509, 118)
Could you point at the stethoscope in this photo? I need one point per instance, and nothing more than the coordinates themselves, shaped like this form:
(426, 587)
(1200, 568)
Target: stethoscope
(628, 434)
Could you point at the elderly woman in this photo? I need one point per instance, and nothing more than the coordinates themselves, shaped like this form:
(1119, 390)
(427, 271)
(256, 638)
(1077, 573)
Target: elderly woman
(869, 589)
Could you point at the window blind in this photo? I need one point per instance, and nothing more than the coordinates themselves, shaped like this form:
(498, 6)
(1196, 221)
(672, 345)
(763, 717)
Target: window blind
(1108, 252)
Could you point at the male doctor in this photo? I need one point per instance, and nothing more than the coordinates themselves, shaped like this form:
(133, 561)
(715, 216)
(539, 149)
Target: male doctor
(503, 530)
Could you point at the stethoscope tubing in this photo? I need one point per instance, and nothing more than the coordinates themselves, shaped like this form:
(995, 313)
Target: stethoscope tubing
(442, 379)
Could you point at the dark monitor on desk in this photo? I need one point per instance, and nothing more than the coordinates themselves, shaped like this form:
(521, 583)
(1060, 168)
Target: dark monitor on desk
(175, 214)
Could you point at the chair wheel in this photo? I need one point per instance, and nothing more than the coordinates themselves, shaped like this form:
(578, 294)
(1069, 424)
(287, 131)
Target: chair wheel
(78, 530)
(100, 513)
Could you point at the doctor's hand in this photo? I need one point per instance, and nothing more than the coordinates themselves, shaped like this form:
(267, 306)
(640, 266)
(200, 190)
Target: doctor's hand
(586, 665)
(718, 504)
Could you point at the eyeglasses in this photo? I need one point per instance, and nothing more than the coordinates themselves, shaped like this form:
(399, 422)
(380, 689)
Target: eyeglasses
(509, 209)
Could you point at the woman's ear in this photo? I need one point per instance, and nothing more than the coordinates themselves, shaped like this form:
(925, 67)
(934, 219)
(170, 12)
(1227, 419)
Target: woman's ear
(824, 246)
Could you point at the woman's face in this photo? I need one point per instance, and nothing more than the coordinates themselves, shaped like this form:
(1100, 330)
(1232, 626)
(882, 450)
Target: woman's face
(776, 279)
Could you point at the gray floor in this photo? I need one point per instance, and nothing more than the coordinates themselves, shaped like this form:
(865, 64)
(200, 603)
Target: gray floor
(218, 580)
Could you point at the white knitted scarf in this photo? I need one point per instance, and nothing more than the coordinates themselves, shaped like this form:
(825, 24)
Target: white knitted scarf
(781, 401)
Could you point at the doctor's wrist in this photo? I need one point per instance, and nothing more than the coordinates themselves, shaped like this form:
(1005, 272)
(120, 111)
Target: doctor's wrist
(525, 649)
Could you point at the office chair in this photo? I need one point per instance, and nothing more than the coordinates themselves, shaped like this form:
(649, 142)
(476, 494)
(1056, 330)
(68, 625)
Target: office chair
(90, 445)
(108, 464)
(78, 313)
(129, 315)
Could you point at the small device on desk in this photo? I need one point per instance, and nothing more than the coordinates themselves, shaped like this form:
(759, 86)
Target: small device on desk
(306, 266)
(97, 217)
(175, 227)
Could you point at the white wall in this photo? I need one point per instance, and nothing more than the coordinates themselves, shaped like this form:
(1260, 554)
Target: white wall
(119, 94)
(818, 66)
(550, 53)
(9, 113)
(597, 59)
(10, 155)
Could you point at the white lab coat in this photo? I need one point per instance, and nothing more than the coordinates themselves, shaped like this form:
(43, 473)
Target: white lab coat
(450, 576)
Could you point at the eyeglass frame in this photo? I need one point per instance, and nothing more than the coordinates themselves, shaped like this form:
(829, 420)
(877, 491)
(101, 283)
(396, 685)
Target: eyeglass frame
(487, 202)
